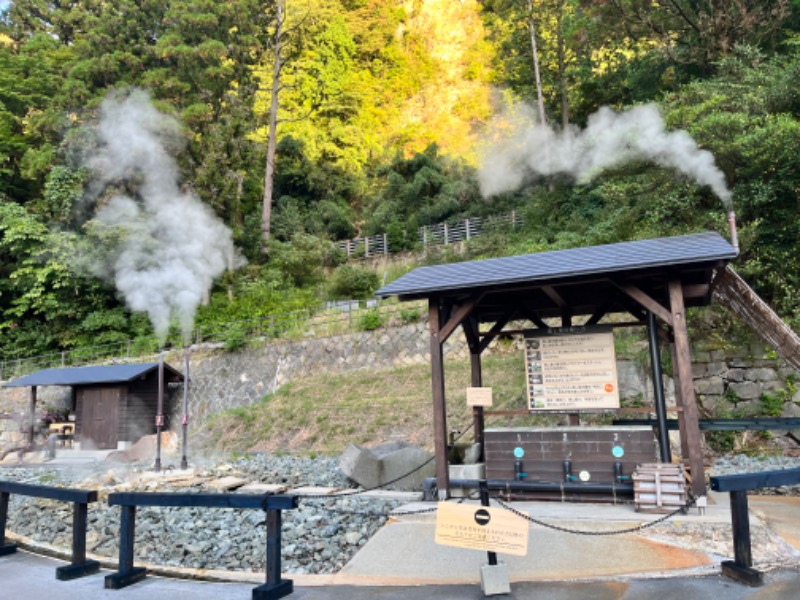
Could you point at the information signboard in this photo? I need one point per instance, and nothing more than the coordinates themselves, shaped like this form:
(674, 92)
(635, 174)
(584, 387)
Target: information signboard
(481, 528)
(571, 369)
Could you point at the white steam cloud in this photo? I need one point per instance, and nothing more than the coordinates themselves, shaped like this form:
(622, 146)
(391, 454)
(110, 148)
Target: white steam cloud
(167, 247)
(610, 139)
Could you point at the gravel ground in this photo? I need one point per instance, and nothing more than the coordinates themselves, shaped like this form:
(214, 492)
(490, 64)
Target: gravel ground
(319, 537)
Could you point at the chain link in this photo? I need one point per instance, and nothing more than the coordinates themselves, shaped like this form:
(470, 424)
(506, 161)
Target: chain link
(683, 509)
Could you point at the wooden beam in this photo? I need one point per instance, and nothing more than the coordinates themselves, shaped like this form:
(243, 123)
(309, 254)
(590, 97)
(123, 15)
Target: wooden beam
(699, 290)
(646, 301)
(439, 404)
(493, 332)
(457, 317)
(553, 294)
(598, 314)
(683, 371)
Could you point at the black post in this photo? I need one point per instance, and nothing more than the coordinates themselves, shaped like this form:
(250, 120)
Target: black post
(484, 489)
(159, 411)
(658, 389)
(741, 568)
(275, 587)
(5, 548)
(185, 417)
(79, 565)
(127, 574)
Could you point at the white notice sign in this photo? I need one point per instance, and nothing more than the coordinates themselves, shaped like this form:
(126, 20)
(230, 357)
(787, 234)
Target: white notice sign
(571, 369)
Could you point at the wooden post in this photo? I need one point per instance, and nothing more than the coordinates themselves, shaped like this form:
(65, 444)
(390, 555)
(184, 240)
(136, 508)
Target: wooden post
(477, 411)
(439, 406)
(683, 370)
(679, 403)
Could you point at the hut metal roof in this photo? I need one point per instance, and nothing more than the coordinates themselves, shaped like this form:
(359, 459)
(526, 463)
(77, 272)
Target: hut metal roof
(92, 375)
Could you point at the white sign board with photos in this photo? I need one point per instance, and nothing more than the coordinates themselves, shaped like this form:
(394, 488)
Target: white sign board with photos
(571, 369)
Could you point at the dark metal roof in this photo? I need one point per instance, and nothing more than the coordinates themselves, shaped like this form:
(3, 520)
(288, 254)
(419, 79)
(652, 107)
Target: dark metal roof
(92, 375)
(561, 265)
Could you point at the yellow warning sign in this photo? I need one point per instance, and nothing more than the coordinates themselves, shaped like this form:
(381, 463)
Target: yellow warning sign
(481, 528)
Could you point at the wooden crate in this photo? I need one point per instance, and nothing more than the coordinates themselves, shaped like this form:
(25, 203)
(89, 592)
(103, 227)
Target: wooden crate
(659, 488)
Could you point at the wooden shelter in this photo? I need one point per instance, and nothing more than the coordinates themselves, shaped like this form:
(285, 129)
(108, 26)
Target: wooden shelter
(653, 281)
(114, 405)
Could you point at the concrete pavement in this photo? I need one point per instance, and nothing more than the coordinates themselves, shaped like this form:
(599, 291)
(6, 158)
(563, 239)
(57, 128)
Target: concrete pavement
(679, 558)
(32, 577)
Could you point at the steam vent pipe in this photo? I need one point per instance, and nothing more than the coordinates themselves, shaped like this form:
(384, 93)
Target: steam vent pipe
(732, 225)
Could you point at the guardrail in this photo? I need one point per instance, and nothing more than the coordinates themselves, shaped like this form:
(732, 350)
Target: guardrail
(78, 566)
(741, 568)
(128, 574)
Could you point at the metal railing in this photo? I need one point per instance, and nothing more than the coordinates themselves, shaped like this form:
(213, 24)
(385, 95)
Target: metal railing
(451, 232)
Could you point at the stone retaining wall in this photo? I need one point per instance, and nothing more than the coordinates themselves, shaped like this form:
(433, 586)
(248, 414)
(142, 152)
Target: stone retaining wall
(219, 380)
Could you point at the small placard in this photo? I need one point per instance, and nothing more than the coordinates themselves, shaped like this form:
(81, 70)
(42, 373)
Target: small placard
(481, 528)
(479, 396)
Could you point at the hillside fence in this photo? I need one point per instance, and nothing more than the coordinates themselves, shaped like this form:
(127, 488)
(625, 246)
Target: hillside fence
(432, 235)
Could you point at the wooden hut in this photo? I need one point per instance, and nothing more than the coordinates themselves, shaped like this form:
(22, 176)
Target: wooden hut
(114, 405)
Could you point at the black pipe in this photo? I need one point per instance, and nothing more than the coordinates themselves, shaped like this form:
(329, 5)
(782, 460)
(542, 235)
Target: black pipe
(532, 486)
(658, 388)
(567, 468)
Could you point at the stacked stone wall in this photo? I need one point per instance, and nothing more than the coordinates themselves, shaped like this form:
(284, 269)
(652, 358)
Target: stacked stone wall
(221, 380)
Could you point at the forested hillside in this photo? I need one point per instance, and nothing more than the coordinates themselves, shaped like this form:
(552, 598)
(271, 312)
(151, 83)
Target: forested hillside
(163, 164)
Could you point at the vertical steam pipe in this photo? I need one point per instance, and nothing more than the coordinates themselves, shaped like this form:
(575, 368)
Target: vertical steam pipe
(732, 226)
(658, 389)
(159, 410)
(185, 417)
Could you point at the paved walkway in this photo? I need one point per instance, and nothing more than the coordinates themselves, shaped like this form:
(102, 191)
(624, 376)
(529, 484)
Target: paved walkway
(32, 577)
(677, 559)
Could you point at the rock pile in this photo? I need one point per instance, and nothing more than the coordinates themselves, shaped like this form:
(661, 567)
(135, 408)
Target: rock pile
(319, 537)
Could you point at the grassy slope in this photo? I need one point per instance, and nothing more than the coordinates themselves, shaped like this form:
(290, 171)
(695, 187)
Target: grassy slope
(326, 413)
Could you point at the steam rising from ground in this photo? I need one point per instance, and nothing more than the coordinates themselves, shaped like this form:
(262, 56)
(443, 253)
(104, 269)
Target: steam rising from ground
(165, 247)
(610, 139)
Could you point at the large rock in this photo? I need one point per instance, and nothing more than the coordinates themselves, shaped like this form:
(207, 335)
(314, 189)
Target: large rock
(378, 466)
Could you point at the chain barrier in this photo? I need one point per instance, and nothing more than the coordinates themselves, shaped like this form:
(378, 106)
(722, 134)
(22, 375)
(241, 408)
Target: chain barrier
(335, 496)
(683, 509)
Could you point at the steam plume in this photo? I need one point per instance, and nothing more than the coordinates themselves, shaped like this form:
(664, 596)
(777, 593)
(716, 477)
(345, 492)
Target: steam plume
(610, 139)
(166, 246)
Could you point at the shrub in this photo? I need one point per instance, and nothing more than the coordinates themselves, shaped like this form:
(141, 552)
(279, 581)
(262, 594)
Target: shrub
(353, 282)
(370, 320)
